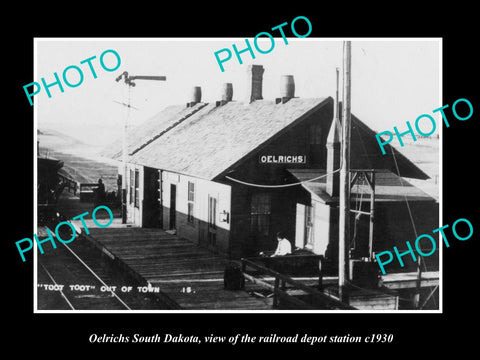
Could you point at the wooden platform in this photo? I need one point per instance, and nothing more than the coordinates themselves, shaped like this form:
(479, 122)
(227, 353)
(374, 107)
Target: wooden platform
(368, 299)
(192, 276)
(395, 281)
(186, 273)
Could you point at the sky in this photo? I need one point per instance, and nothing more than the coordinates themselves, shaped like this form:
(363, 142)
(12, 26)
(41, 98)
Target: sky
(393, 80)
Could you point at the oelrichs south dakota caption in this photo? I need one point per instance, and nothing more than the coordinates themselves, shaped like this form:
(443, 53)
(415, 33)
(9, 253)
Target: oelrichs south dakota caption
(137, 338)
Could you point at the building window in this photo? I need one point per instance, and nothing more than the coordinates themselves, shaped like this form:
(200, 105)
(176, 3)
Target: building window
(137, 190)
(315, 134)
(132, 181)
(260, 212)
(316, 153)
(191, 202)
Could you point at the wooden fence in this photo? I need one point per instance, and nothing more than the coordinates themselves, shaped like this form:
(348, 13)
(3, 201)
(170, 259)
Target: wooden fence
(283, 284)
(87, 192)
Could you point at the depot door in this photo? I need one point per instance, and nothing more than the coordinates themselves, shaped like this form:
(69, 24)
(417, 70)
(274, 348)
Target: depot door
(304, 226)
(212, 222)
(151, 204)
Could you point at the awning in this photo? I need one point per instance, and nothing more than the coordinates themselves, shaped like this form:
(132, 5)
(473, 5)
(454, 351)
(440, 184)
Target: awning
(388, 187)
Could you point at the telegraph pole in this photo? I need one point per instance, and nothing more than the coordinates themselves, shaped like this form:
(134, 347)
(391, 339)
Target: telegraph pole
(344, 211)
(129, 82)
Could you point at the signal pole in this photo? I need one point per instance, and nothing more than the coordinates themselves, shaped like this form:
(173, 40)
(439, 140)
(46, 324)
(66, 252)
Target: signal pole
(129, 82)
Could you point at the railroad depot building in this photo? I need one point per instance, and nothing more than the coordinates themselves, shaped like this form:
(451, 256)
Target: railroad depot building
(182, 162)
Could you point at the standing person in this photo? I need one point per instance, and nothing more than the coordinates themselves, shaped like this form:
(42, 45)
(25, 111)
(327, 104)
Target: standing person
(100, 193)
(284, 247)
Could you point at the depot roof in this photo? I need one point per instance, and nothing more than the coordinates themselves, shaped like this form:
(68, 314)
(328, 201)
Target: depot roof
(207, 140)
(217, 137)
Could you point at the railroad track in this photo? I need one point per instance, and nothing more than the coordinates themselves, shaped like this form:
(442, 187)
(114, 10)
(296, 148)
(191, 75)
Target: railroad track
(77, 276)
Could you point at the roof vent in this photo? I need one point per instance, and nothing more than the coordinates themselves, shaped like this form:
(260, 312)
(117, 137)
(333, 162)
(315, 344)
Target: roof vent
(287, 89)
(196, 96)
(227, 92)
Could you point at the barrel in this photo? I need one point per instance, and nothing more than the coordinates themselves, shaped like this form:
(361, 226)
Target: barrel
(233, 277)
(287, 86)
(227, 92)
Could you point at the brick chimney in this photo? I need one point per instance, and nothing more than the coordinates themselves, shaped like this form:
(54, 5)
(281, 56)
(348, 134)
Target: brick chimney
(254, 82)
(333, 158)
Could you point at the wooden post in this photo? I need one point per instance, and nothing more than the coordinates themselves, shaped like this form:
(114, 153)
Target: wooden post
(337, 100)
(275, 292)
(320, 275)
(124, 161)
(372, 214)
(416, 296)
(344, 211)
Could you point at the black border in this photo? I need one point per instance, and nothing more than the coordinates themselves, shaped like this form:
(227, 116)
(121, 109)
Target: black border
(412, 332)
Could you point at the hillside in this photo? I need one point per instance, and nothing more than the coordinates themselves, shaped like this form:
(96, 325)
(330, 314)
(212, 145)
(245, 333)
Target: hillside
(81, 161)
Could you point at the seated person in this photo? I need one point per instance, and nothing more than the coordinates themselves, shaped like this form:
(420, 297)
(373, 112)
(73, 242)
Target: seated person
(284, 247)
